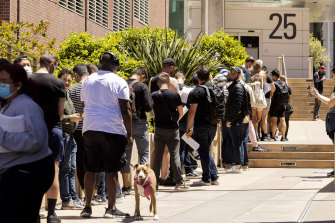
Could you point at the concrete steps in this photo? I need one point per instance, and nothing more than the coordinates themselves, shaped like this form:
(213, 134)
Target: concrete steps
(303, 105)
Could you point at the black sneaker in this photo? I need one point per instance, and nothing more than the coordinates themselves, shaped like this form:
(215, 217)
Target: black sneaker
(86, 212)
(118, 212)
(53, 219)
(283, 139)
(126, 190)
(108, 213)
(330, 174)
(168, 182)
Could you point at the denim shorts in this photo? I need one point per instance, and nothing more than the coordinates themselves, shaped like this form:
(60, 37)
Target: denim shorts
(103, 151)
(56, 144)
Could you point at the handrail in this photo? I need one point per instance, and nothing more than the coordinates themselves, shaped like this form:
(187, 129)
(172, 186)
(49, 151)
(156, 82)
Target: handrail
(284, 68)
(10, 48)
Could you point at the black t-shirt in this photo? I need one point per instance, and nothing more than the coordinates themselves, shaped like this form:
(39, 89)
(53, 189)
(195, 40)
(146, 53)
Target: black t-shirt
(153, 85)
(164, 106)
(269, 80)
(247, 74)
(199, 96)
(143, 100)
(50, 89)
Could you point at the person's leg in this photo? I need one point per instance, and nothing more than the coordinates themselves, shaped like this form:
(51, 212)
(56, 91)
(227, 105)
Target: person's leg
(282, 127)
(160, 143)
(80, 157)
(89, 182)
(273, 126)
(201, 136)
(252, 135)
(64, 171)
(244, 130)
(255, 119)
(141, 136)
(265, 123)
(287, 121)
(111, 183)
(213, 170)
(165, 163)
(317, 105)
(173, 145)
(126, 169)
(73, 170)
(236, 143)
(182, 149)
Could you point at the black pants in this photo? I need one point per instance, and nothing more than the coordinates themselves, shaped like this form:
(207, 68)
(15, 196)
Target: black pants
(22, 188)
(80, 157)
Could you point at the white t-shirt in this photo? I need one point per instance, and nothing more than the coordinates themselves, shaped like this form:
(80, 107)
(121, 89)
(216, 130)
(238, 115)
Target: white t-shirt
(100, 93)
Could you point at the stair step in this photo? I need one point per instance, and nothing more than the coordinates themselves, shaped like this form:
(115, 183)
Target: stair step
(292, 155)
(286, 163)
(278, 147)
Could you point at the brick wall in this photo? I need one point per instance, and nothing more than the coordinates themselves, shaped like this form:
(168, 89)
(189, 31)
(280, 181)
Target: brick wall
(62, 21)
(4, 10)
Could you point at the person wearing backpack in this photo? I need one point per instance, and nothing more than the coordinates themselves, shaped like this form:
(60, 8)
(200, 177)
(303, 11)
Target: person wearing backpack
(202, 114)
(140, 102)
(279, 103)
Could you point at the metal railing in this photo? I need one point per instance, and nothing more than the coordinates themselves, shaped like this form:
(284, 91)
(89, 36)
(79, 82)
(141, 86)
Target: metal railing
(10, 55)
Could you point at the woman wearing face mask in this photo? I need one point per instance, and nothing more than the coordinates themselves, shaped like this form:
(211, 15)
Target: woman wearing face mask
(25, 63)
(26, 166)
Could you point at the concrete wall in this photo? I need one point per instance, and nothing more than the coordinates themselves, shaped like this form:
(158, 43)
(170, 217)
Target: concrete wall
(256, 21)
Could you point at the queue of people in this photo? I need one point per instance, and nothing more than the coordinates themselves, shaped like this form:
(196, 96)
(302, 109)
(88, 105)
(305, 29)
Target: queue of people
(89, 128)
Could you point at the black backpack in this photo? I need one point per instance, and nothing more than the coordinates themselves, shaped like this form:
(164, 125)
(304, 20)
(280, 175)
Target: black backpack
(132, 98)
(216, 104)
(281, 94)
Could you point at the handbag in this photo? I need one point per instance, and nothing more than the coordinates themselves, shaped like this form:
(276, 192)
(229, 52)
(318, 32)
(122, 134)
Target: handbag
(330, 123)
(260, 101)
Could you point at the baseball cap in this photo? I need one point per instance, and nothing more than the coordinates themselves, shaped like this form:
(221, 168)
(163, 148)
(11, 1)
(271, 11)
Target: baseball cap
(221, 78)
(237, 69)
(170, 61)
(322, 67)
(223, 71)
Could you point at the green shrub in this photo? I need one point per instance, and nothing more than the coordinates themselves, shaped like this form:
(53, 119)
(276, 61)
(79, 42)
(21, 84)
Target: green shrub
(318, 52)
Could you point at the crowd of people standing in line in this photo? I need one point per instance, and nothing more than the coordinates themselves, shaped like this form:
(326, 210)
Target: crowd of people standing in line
(89, 127)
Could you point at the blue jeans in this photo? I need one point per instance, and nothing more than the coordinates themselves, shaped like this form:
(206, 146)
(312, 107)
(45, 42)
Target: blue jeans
(237, 135)
(244, 131)
(185, 159)
(141, 136)
(67, 168)
(204, 135)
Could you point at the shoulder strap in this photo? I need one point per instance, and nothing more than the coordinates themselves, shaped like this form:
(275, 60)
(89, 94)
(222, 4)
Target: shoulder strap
(207, 92)
(133, 83)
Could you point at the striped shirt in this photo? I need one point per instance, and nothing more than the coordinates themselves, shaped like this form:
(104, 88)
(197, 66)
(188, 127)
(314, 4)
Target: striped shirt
(74, 93)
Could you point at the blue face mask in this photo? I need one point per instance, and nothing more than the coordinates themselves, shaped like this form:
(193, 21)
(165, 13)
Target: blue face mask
(5, 91)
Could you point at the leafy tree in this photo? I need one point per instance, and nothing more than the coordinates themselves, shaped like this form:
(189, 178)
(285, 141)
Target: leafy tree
(229, 51)
(27, 37)
(318, 52)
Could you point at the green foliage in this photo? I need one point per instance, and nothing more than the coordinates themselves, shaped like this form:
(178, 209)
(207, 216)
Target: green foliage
(152, 46)
(229, 51)
(149, 47)
(85, 48)
(318, 52)
(27, 37)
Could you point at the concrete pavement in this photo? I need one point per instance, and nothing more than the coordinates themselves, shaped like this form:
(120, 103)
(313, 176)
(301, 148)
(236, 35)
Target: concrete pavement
(258, 195)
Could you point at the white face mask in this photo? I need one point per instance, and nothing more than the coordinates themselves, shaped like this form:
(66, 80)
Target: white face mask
(28, 70)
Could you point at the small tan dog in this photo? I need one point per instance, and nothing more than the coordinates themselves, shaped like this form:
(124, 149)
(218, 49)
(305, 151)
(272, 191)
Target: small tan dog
(145, 185)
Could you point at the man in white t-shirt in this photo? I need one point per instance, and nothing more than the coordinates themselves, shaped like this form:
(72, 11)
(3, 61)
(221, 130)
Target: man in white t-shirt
(106, 129)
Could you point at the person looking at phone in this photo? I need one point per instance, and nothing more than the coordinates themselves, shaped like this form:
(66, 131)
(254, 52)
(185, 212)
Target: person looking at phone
(318, 78)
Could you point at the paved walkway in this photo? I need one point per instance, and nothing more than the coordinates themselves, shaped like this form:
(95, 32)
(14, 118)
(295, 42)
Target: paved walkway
(258, 195)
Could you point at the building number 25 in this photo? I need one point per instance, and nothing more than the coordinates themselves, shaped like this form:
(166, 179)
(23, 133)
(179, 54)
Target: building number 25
(286, 26)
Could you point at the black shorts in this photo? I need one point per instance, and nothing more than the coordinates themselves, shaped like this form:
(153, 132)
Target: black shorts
(56, 144)
(103, 151)
(277, 111)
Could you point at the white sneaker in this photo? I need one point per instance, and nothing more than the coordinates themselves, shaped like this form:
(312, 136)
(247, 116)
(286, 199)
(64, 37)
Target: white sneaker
(228, 169)
(215, 182)
(198, 170)
(238, 170)
(200, 183)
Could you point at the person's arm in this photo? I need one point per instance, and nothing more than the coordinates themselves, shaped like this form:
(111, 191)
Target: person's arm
(34, 135)
(61, 103)
(173, 85)
(180, 111)
(126, 115)
(147, 100)
(330, 102)
(190, 117)
(316, 79)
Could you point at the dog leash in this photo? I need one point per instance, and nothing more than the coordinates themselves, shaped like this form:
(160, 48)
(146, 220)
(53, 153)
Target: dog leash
(133, 166)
